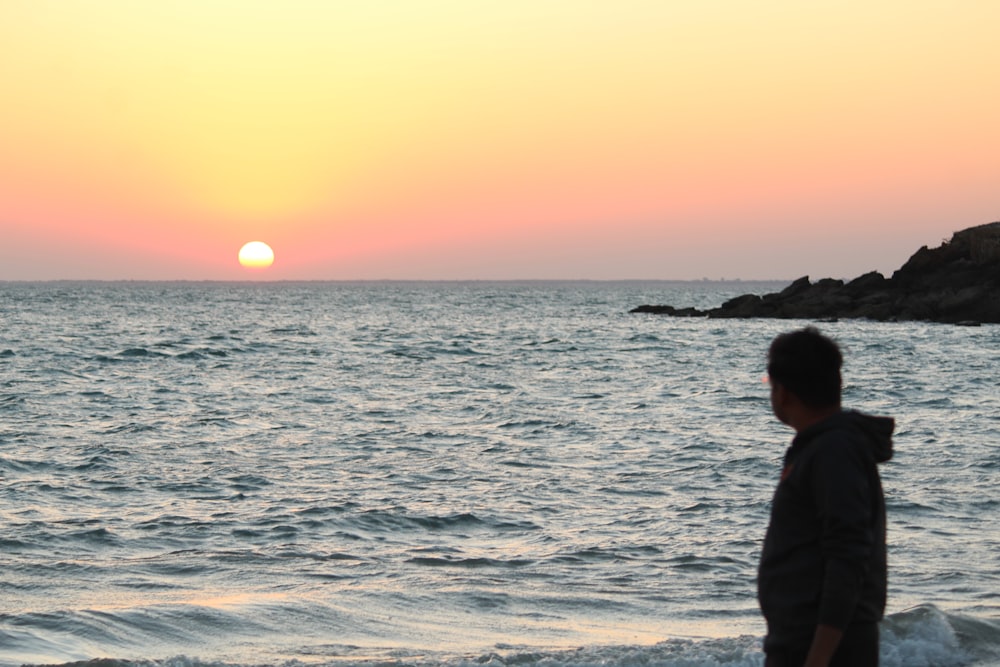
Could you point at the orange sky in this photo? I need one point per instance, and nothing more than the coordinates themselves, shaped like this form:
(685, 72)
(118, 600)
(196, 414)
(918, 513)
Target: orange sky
(490, 140)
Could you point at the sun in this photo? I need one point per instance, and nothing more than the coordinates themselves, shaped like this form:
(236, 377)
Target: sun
(256, 255)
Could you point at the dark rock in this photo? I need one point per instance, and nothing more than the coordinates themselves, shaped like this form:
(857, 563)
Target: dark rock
(866, 283)
(958, 282)
(667, 310)
(655, 310)
(797, 287)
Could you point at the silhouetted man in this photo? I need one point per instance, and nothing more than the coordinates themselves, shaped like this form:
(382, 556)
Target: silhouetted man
(822, 577)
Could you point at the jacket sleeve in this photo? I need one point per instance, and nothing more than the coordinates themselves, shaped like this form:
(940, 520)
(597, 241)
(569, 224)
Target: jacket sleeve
(842, 493)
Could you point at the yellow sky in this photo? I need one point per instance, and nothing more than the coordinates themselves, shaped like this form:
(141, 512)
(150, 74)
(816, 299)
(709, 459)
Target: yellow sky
(433, 139)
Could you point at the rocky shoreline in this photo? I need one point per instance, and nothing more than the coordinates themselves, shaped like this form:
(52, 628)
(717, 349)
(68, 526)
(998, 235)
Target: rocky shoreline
(957, 282)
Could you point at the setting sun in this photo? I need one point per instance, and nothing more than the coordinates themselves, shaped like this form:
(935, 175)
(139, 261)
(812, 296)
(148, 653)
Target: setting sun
(256, 255)
(491, 140)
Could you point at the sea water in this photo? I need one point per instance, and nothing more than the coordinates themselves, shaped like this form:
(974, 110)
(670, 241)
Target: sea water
(451, 474)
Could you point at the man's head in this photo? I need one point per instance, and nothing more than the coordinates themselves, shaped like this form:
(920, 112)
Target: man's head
(806, 364)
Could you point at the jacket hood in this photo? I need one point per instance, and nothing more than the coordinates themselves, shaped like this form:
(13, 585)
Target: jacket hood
(876, 430)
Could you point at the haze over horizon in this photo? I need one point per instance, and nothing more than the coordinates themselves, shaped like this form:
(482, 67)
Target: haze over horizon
(445, 140)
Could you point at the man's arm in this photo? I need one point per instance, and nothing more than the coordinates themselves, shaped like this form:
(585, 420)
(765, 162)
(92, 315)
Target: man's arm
(843, 499)
(824, 644)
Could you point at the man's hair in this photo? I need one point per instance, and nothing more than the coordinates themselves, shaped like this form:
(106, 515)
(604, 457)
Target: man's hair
(807, 363)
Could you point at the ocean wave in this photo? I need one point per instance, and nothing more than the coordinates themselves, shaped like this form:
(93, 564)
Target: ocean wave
(924, 636)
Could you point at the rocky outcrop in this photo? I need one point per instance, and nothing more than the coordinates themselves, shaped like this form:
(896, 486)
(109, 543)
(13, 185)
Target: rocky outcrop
(958, 282)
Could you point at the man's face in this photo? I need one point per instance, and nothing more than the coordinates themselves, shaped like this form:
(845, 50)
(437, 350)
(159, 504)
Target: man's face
(778, 397)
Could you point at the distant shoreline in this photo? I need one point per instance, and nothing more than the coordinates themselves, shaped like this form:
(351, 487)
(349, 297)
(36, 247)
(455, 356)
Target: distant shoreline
(403, 281)
(955, 283)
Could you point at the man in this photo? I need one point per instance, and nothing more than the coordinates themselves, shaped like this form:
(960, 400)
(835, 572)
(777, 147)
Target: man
(822, 577)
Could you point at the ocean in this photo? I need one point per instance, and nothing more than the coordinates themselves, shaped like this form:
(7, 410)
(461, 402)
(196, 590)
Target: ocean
(452, 474)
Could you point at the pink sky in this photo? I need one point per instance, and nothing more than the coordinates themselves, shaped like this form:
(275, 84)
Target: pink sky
(517, 140)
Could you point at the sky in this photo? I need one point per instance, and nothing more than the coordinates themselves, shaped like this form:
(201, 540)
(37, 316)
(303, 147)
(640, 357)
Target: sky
(492, 139)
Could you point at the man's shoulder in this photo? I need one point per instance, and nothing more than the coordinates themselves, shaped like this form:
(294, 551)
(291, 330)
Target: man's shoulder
(837, 454)
(852, 434)
(836, 442)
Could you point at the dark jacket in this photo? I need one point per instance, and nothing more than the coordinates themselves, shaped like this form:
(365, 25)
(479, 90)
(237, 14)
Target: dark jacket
(824, 555)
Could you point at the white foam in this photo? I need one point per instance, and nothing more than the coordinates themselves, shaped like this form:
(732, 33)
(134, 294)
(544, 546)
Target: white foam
(921, 637)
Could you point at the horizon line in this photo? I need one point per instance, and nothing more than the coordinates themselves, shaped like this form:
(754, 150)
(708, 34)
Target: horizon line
(230, 281)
